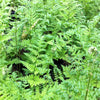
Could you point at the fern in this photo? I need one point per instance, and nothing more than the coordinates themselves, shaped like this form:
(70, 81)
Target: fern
(49, 49)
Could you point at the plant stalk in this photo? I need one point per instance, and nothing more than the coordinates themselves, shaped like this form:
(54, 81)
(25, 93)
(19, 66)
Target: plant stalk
(87, 90)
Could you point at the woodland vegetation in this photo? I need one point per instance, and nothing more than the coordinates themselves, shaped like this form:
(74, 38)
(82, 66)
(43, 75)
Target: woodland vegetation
(49, 49)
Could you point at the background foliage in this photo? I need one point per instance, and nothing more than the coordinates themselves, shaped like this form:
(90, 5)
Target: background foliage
(49, 49)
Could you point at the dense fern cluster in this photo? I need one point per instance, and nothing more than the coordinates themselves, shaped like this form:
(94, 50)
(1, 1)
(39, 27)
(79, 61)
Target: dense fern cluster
(49, 49)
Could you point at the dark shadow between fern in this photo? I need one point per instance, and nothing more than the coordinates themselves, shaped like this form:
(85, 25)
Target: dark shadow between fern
(59, 64)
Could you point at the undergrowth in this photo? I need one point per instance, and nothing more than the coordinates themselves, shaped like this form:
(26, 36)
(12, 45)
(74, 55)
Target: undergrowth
(49, 50)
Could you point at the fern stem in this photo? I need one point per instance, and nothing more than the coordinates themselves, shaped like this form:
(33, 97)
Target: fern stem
(16, 37)
(87, 90)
